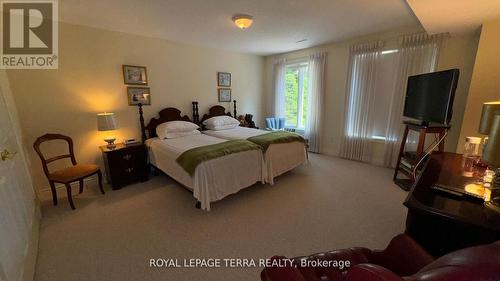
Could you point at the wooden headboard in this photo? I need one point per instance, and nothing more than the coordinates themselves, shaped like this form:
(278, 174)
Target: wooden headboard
(166, 115)
(216, 110)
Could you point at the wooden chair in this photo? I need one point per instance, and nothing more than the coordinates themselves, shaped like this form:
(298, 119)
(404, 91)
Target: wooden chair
(77, 172)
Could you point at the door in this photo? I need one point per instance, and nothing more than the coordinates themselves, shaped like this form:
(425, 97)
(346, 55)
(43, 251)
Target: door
(17, 199)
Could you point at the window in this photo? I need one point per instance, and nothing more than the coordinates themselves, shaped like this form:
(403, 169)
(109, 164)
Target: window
(383, 92)
(383, 84)
(296, 91)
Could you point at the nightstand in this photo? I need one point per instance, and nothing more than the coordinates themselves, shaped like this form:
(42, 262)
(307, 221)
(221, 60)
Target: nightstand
(125, 164)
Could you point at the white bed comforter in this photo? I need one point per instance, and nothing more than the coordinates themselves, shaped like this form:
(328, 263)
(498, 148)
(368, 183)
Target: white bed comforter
(237, 133)
(213, 179)
(279, 158)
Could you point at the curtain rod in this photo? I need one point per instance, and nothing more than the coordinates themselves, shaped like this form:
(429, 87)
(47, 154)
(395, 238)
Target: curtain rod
(302, 56)
(397, 38)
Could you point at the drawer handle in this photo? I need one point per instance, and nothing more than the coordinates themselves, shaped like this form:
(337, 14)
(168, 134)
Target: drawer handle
(127, 157)
(129, 170)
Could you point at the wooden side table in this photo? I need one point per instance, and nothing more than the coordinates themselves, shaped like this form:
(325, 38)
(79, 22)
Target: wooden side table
(125, 164)
(441, 222)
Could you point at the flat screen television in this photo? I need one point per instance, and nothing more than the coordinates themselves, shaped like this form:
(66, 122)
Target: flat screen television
(429, 97)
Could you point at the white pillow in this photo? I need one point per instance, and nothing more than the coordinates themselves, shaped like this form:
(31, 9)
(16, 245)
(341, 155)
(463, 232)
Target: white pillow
(223, 127)
(174, 127)
(181, 134)
(220, 121)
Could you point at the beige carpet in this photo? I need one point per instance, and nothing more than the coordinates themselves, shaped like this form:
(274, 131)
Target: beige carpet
(330, 203)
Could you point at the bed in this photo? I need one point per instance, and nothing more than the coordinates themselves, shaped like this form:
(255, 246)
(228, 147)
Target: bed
(278, 158)
(213, 179)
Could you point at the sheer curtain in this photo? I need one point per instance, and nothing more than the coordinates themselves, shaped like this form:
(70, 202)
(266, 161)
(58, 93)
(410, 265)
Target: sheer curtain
(418, 54)
(317, 63)
(279, 69)
(356, 142)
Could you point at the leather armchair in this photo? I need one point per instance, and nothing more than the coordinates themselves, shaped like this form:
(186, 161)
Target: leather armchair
(402, 260)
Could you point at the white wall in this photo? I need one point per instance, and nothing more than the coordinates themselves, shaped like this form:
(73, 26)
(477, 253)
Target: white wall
(485, 80)
(89, 80)
(457, 52)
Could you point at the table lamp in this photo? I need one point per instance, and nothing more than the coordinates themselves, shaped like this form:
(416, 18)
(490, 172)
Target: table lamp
(491, 156)
(490, 109)
(106, 122)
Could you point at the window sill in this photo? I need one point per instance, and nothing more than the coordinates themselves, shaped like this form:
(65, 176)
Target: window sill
(375, 139)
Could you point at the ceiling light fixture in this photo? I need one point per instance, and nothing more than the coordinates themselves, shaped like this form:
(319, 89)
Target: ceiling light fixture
(243, 21)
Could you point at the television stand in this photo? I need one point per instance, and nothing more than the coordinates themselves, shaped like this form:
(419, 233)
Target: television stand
(407, 160)
(417, 123)
(426, 124)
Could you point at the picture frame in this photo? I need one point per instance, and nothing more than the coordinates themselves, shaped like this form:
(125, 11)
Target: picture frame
(224, 94)
(139, 95)
(223, 79)
(135, 75)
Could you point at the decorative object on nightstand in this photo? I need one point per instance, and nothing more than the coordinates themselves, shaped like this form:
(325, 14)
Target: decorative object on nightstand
(106, 122)
(491, 156)
(125, 164)
(76, 172)
(471, 156)
(130, 141)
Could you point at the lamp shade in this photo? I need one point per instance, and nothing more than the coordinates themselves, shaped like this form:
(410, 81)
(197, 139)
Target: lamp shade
(490, 109)
(491, 152)
(106, 122)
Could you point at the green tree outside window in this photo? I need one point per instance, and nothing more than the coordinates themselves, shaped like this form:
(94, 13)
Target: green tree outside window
(296, 93)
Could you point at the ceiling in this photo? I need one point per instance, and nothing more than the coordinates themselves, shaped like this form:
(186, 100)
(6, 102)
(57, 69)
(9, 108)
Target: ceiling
(278, 24)
(454, 16)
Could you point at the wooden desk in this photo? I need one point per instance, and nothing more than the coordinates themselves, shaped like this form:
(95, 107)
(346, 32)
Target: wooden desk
(443, 223)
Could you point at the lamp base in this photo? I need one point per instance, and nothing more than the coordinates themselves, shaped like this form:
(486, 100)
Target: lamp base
(111, 143)
(494, 203)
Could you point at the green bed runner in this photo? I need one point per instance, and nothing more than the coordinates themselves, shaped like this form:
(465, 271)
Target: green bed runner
(265, 140)
(190, 159)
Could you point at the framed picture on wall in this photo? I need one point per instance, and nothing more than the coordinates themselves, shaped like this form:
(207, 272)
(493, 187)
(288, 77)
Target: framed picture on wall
(223, 79)
(224, 95)
(135, 75)
(137, 95)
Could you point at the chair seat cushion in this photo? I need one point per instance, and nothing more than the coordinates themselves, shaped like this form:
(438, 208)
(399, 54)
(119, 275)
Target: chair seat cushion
(73, 173)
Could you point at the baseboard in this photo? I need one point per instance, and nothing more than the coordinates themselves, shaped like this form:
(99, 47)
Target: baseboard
(46, 193)
(32, 249)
